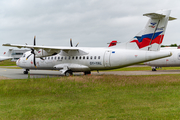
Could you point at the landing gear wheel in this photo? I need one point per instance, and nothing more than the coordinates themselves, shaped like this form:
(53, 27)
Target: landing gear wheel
(153, 69)
(87, 72)
(68, 73)
(26, 71)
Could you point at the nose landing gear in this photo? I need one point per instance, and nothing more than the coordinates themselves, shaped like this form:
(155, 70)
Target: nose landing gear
(26, 71)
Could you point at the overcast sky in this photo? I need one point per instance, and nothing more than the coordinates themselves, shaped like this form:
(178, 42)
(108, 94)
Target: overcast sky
(92, 23)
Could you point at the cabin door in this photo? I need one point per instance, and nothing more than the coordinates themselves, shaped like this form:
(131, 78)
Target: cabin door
(107, 58)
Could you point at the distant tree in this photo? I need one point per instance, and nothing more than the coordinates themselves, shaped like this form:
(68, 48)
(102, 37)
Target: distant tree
(172, 45)
(163, 45)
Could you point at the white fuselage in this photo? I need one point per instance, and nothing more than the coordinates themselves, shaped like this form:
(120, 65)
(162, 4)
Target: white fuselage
(171, 61)
(95, 59)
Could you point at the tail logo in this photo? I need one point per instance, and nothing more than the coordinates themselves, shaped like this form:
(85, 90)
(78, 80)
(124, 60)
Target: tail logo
(153, 25)
(144, 40)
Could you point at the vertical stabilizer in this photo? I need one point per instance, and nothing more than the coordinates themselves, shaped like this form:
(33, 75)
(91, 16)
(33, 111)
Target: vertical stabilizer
(9, 53)
(112, 43)
(151, 37)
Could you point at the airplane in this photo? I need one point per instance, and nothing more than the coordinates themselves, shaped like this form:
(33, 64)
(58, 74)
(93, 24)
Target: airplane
(172, 61)
(145, 46)
(6, 56)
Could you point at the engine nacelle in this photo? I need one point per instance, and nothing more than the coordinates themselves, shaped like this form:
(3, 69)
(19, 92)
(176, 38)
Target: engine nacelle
(43, 53)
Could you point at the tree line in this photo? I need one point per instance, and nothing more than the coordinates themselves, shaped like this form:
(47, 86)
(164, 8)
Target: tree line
(172, 45)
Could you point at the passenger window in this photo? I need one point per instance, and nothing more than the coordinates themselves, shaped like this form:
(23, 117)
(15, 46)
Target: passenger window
(76, 57)
(61, 58)
(98, 57)
(55, 58)
(58, 58)
(51, 58)
(48, 58)
(69, 57)
(87, 57)
(73, 57)
(79, 57)
(65, 58)
(94, 57)
(91, 57)
(83, 57)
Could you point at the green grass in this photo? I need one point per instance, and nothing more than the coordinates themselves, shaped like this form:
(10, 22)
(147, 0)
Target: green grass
(91, 97)
(10, 67)
(7, 63)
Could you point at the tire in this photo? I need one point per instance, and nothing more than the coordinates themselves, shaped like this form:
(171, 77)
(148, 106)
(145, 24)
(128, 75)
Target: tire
(68, 73)
(87, 72)
(25, 72)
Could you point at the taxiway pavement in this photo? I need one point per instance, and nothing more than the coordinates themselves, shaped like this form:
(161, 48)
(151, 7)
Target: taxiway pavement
(18, 73)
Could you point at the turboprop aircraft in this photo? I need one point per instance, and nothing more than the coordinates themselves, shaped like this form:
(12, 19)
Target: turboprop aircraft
(6, 56)
(142, 48)
(172, 61)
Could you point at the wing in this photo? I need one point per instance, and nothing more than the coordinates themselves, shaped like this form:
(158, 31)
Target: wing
(51, 50)
(5, 58)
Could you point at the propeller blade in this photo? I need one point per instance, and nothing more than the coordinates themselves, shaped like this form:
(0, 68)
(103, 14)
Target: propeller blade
(34, 40)
(34, 61)
(28, 56)
(32, 50)
(77, 44)
(71, 42)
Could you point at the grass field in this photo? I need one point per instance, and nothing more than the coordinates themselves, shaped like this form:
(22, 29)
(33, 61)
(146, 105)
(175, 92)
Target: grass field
(91, 97)
(7, 63)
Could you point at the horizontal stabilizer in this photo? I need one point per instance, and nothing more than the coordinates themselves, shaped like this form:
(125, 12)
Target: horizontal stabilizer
(172, 18)
(158, 16)
(154, 15)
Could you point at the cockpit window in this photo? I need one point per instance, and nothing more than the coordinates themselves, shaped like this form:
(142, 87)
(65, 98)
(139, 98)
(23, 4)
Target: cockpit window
(24, 55)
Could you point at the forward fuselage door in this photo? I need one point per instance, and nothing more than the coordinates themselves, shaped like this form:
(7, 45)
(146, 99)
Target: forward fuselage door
(107, 58)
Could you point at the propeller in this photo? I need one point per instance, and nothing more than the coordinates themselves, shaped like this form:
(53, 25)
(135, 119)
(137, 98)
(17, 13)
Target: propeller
(32, 52)
(72, 44)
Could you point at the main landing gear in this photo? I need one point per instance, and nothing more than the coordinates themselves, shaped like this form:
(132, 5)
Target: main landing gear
(68, 73)
(153, 68)
(26, 71)
(87, 72)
